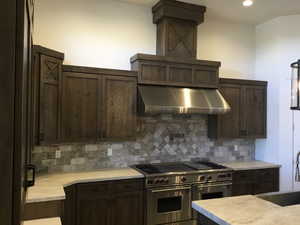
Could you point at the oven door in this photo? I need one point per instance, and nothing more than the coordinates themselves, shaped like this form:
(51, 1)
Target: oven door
(167, 205)
(210, 191)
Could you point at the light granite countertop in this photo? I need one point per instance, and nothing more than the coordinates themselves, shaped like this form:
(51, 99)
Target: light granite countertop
(250, 165)
(247, 210)
(48, 221)
(51, 187)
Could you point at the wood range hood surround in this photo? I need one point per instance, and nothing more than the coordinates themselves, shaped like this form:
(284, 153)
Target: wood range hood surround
(175, 65)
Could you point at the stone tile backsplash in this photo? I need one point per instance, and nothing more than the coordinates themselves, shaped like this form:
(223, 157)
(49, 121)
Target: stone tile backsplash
(163, 138)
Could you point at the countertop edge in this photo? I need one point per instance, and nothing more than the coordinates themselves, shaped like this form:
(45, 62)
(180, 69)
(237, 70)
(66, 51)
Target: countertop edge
(45, 221)
(209, 215)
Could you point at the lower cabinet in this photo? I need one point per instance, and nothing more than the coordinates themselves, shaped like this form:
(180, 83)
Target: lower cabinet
(251, 182)
(105, 203)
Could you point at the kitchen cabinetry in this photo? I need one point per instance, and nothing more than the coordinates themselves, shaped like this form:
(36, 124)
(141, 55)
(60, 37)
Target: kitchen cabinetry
(105, 203)
(47, 67)
(98, 104)
(81, 107)
(172, 71)
(119, 107)
(247, 118)
(250, 182)
(81, 104)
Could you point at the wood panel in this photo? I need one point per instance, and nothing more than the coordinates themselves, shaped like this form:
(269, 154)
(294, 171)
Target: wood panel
(49, 99)
(247, 118)
(153, 72)
(179, 74)
(172, 71)
(254, 105)
(250, 182)
(69, 209)
(120, 107)
(123, 205)
(40, 210)
(227, 125)
(81, 102)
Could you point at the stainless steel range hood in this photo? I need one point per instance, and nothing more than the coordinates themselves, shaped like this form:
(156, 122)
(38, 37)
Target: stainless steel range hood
(173, 100)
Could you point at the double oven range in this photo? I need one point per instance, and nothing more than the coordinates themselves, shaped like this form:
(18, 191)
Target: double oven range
(171, 188)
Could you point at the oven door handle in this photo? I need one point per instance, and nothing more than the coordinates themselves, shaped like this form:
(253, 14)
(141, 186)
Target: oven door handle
(213, 185)
(171, 189)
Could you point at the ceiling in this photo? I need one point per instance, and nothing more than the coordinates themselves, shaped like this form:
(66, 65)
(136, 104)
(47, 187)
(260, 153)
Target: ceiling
(233, 11)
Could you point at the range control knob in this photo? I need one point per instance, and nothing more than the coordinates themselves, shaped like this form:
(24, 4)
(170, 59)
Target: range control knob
(202, 178)
(183, 179)
(209, 178)
(166, 180)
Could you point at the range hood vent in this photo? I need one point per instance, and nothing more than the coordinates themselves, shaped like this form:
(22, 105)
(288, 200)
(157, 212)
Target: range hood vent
(172, 100)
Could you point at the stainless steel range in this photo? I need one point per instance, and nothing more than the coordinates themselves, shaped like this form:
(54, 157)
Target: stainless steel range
(171, 188)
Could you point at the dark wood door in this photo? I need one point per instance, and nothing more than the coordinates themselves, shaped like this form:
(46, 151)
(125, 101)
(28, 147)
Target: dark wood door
(229, 124)
(49, 99)
(127, 208)
(254, 112)
(93, 204)
(69, 214)
(81, 107)
(119, 107)
(15, 144)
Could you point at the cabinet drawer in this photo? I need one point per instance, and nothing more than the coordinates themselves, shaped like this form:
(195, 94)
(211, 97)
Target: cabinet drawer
(92, 189)
(127, 185)
(244, 176)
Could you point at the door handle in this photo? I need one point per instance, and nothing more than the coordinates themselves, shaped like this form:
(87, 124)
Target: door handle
(31, 182)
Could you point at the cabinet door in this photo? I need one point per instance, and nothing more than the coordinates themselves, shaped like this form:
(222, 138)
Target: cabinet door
(81, 107)
(229, 123)
(254, 112)
(49, 92)
(127, 208)
(93, 204)
(69, 213)
(119, 107)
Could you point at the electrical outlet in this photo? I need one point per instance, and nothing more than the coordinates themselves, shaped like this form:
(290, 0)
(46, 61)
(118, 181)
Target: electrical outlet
(57, 154)
(109, 152)
(236, 148)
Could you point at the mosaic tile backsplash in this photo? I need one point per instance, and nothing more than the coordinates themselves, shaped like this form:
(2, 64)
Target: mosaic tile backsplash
(163, 138)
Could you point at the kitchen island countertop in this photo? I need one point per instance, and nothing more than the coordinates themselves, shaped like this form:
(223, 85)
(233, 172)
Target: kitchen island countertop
(247, 210)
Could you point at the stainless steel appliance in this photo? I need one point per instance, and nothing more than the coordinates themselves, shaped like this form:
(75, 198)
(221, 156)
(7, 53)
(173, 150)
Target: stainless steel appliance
(171, 188)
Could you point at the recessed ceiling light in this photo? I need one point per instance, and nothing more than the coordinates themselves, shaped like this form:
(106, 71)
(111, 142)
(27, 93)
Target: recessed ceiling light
(247, 3)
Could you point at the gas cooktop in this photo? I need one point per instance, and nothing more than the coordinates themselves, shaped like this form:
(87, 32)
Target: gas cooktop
(177, 167)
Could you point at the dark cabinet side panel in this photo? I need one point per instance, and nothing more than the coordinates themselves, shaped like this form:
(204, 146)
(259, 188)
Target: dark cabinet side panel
(81, 101)
(120, 107)
(69, 213)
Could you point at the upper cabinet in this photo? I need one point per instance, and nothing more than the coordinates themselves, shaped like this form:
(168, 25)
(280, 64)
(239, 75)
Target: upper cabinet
(47, 67)
(172, 71)
(81, 107)
(81, 104)
(98, 104)
(119, 107)
(247, 118)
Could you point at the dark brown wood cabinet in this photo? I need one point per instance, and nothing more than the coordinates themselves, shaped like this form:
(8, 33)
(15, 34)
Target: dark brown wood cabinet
(47, 72)
(98, 104)
(172, 71)
(247, 118)
(251, 182)
(119, 106)
(81, 107)
(109, 203)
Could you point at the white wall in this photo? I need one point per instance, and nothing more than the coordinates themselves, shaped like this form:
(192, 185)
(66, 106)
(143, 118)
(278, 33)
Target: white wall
(277, 46)
(106, 33)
